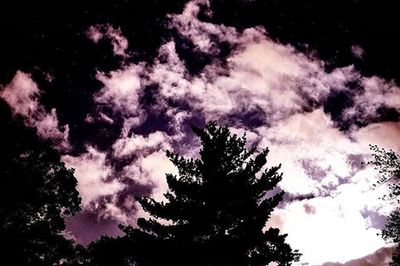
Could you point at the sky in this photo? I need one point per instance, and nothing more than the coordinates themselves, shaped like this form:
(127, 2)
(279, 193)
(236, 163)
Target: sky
(116, 85)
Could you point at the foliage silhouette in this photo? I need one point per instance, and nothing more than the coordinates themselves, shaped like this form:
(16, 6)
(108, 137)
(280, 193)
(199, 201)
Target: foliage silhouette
(109, 251)
(388, 165)
(36, 192)
(215, 211)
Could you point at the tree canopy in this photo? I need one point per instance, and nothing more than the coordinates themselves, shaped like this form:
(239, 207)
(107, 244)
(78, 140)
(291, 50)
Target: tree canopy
(388, 165)
(216, 209)
(37, 191)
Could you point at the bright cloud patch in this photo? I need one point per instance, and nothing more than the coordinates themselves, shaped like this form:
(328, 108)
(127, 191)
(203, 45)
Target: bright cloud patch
(134, 144)
(333, 221)
(92, 172)
(22, 94)
(121, 89)
(118, 41)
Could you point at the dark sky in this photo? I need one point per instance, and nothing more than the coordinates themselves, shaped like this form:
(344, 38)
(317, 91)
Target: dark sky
(116, 84)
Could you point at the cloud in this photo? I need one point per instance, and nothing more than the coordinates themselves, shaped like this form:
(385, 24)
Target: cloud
(357, 51)
(48, 128)
(381, 257)
(260, 77)
(377, 95)
(121, 89)
(317, 123)
(336, 222)
(92, 173)
(107, 31)
(151, 169)
(344, 208)
(22, 95)
(313, 152)
(137, 143)
(189, 26)
(384, 134)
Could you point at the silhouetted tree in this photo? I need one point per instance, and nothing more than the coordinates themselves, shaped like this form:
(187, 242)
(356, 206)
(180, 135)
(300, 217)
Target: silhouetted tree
(388, 165)
(216, 209)
(109, 251)
(36, 192)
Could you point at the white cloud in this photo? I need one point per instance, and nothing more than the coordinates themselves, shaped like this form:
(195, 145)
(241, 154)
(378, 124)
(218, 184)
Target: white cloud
(199, 32)
(339, 227)
(309, 137)
(48, 128)
(170, 75)
(92, 171)
(22, 95)
(336, 230)
(121, 89)
(357, 51)
(137, 143)
(151, 169)
(385, 135)
(118, 41)
(260, 73)
(376, 93)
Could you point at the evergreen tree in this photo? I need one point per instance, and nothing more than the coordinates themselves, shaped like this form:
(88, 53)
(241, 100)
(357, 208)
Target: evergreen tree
(388, 165)
(216, 209)
(37, 191)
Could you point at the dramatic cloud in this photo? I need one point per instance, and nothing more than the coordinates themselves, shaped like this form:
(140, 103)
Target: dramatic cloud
(200, 33)
(318, 123)
(22, 94)
(121, 89)
(316, 161)
(151, 170)
(342, 221)
(339, 225)
(377, 95)
(92, 172)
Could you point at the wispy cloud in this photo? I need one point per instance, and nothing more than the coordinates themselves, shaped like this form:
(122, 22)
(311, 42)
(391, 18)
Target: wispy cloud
(106, 31)
(93, 173)
(23, 96)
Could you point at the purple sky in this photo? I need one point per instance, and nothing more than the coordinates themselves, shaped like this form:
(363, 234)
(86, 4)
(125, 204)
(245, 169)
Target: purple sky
(280, 97)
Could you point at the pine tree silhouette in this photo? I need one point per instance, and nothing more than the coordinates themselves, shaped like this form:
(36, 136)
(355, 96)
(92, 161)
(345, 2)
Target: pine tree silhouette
(216, 209)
